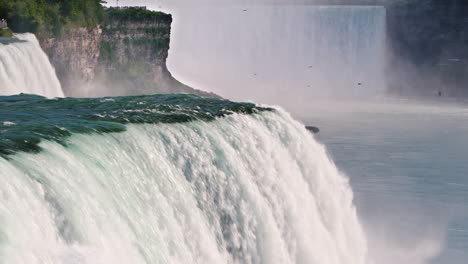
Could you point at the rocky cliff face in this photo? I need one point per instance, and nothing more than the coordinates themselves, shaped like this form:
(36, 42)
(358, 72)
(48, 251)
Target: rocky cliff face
(428, 40)
(75, 57)
(122, 57)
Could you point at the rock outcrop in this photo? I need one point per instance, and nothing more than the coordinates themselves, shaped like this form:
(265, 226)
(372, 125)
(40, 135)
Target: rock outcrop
(125, 56)
(75, 56)
(313, 129)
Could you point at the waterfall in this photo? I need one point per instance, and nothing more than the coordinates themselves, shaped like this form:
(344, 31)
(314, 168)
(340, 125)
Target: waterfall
(244, 189)
(25, 68)
(285, 54)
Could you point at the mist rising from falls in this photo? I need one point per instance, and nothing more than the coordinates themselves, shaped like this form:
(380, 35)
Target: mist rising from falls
(242, 189)
(281, 54)
(25, 68)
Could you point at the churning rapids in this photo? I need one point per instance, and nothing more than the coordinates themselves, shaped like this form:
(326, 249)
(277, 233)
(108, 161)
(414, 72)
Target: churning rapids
(168, 179)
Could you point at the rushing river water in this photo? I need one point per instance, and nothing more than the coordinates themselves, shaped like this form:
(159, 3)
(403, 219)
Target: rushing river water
(168, 179)
(408, 166)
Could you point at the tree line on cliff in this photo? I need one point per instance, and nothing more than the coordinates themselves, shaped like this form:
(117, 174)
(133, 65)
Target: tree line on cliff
(51, 16)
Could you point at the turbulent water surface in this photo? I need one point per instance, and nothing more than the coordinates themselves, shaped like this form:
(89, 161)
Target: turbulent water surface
(26, 119)
(168, 179)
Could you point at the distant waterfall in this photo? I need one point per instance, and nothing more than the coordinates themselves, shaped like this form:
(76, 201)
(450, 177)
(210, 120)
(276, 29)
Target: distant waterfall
(345, 47)
(25, 68)
(281, 54)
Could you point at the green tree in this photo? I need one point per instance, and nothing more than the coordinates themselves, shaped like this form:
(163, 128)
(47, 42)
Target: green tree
(51, 15)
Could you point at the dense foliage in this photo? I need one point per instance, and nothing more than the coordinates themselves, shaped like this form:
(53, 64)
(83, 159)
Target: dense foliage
(136, 14)
(51, 15)
(5, 33)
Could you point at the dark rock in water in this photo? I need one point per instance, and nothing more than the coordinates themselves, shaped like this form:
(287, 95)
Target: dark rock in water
(10, 40)
(313, 129)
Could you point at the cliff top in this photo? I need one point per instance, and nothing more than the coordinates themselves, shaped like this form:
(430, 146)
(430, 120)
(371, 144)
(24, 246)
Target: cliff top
(136, 14)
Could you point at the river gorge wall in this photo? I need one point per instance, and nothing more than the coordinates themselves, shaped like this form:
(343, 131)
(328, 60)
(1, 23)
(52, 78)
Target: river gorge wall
(428, 52)
(75, 56)
(426, 43)
(124, 56)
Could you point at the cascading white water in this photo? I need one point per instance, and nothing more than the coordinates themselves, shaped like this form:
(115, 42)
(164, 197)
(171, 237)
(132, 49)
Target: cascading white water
(241, 189)
(25, 68)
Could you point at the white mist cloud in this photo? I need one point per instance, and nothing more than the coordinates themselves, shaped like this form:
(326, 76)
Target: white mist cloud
(285, 55)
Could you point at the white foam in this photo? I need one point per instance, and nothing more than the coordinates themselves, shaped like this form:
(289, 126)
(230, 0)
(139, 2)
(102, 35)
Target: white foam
(8, 123)
(25, 68)
(242, 189)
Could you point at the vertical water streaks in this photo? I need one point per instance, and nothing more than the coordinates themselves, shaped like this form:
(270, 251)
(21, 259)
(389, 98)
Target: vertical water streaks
(242, 189)
(25, 68)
